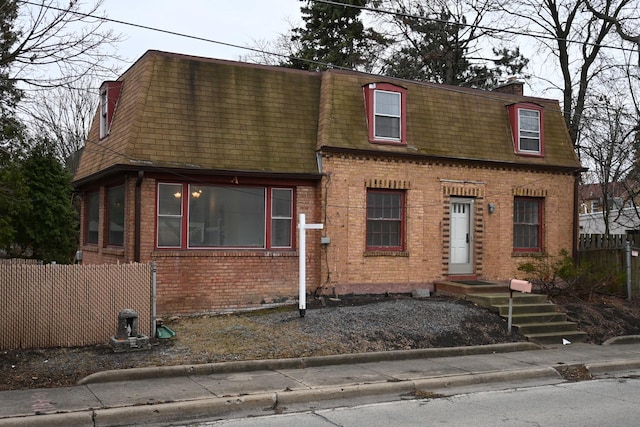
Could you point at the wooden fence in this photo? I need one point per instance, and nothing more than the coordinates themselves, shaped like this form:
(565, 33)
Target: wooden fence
(607, 252)
(70, 305)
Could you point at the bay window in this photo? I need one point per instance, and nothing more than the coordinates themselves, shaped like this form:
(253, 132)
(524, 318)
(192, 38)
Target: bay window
(224, 216)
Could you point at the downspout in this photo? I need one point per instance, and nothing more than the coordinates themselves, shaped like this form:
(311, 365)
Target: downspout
(138, 216)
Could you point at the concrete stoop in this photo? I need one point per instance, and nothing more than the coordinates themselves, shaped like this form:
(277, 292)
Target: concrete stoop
(535, 317)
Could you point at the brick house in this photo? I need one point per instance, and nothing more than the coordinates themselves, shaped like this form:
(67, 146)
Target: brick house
(203, 165)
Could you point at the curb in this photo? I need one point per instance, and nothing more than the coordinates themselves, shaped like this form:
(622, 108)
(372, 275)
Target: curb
(214, 406)
(625, 339)
(211, 407)
(299, 363)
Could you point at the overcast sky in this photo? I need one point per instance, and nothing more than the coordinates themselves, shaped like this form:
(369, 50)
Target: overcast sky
(238, 22)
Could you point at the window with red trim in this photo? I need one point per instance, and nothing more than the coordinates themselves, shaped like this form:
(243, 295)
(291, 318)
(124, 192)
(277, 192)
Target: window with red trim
(527, 129)
(92, 217)
(115, 216)
(385, 220)
(527, 224)
(109, 94)
(386, 112)
(213, 216)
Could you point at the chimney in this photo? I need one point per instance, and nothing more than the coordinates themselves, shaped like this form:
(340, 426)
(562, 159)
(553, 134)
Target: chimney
(512, 86)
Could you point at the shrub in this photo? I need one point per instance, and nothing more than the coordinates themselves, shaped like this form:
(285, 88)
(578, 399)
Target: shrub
(559, 275)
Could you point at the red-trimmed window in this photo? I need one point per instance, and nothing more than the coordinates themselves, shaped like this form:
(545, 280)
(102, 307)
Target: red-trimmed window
(385, 220)
(92, 217)
(527, 224)
(527, 128)
(386, 112)
(109, 94)
(115, 216)
(215, 217)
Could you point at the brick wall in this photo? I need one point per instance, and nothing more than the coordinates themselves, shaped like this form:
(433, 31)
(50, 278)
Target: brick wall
(429, 188)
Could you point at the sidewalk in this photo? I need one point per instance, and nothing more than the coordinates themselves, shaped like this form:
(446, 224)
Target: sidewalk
(131, 396)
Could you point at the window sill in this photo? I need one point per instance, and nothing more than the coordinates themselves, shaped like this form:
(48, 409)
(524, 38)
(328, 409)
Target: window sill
(221, 253)
(522, 254)
(112, 250)
(386, 253)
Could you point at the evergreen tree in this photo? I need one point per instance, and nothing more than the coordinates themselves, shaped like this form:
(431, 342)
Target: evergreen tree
(437, 48)
(334, 35)
(12, 200)
(48, 229)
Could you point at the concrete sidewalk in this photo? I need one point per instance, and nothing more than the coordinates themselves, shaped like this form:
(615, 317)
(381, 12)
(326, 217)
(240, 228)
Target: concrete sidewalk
(147, 395)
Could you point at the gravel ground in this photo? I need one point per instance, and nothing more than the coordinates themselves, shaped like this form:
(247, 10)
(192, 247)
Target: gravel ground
(350, 325)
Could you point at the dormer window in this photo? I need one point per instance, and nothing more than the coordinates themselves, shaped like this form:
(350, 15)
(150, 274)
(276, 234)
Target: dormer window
(386, 112)
(109, 94)
(527, 129)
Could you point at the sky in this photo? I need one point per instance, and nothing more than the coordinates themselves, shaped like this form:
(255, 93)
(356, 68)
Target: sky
(239, 22)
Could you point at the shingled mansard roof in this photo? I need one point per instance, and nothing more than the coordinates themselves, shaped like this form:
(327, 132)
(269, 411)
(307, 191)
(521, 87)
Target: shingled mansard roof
(200, 114)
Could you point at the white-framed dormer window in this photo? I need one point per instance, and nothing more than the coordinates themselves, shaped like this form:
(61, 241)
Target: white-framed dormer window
(527, 128)
(109, 94)
(386, 113)
(104, 113)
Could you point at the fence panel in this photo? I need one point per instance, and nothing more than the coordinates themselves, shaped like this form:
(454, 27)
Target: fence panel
(607, 252)
(70, 305)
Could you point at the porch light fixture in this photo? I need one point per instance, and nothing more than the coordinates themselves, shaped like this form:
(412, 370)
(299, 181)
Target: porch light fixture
(492, 208)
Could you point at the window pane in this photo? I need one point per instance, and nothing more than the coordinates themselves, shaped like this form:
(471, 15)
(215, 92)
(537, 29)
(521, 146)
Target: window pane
(169, 231)
(387, 103)
(115, 206)
(169, 199)
(227, 217)
(529, 138)
(281, 217)
(93, 212)
(281, 233)
(387, 127)
(530, 120)
(384, 219)
(526, 224)
(281, 203)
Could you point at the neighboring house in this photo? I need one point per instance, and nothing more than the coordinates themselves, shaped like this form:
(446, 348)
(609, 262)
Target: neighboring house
(623, 215)
(204, 165)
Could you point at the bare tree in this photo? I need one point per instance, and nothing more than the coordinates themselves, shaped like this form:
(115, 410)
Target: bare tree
(59, 42)
(609, 149)
(63, 115)
(575, 37)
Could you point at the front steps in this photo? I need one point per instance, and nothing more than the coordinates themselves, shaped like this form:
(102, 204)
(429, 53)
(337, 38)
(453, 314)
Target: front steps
(535, 317)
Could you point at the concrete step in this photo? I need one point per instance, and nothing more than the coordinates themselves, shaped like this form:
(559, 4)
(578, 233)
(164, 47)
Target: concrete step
(529, 329)
(526, 308)
(535, 317)
(557, 337)
(502, 298)
(526, 318)
(461, 290)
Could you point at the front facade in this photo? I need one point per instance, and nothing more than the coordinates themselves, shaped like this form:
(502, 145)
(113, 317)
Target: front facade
(204, 166)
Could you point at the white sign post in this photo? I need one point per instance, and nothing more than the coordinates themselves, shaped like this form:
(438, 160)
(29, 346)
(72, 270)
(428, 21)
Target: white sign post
(302, 264)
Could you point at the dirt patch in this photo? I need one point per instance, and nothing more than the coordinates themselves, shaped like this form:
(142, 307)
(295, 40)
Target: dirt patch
(348, 325)
(603, 317)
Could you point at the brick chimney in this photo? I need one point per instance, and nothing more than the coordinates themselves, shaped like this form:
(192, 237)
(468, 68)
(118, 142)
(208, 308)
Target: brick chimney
(512, 86)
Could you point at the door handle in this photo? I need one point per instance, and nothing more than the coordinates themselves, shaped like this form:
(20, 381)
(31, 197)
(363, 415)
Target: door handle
(467, 237)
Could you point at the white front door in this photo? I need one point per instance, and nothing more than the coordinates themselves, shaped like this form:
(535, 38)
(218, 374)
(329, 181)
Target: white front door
(461, 254)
